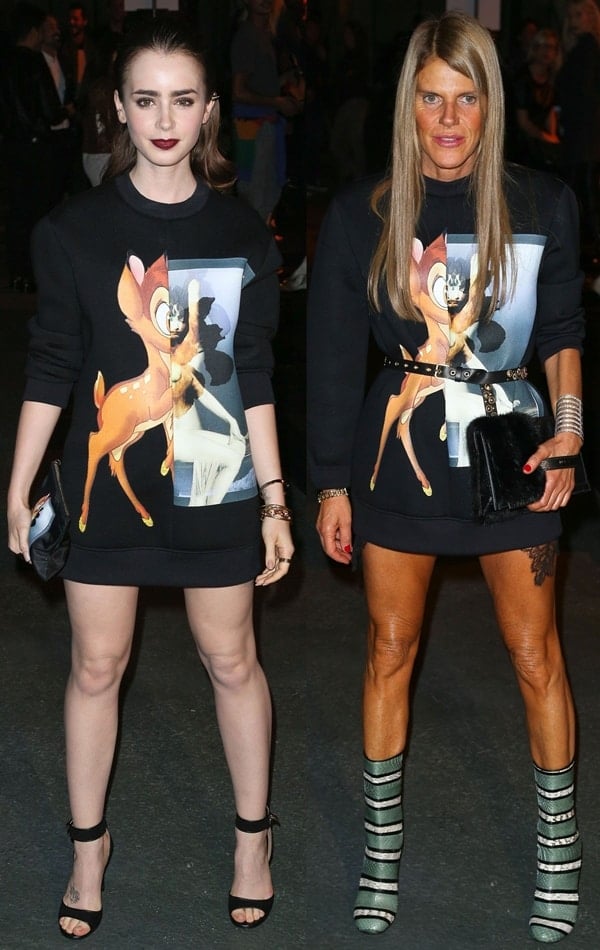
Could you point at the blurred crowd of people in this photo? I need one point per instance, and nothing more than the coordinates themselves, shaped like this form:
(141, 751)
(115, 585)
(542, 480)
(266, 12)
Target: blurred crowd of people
(311, 108)
(56, 110)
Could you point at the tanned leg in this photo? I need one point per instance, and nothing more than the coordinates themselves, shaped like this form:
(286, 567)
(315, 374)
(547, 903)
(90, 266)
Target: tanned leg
(522, 585)
(396, 586)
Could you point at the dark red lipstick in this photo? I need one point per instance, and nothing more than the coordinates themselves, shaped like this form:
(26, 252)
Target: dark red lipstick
(165, 144)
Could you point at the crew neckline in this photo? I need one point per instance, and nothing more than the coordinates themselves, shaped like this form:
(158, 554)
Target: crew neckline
(160, 209)
(459, 186)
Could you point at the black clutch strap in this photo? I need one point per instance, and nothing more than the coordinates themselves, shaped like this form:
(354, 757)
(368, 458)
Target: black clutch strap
(457, 374)
(560, 461)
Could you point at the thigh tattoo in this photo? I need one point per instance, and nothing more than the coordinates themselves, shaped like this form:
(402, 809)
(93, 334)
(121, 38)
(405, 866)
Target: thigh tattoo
(543, 561)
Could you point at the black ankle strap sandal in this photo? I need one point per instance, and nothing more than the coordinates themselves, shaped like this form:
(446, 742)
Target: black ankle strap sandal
(90, 917)
(241, 903)
(86, 834)
(261, 824)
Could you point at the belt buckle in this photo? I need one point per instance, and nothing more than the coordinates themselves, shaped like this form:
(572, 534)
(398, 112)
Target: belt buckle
(439, 370)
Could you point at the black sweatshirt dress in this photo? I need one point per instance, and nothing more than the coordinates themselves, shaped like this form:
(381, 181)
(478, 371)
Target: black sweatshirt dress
(402, 449)
(156, 319)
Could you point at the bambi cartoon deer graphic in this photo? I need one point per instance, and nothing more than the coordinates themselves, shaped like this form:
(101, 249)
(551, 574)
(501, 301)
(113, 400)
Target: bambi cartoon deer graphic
(133, 406)
(428, 291)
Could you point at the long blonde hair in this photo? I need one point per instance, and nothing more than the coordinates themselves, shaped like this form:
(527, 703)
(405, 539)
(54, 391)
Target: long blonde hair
(591, 8)
(468, 48)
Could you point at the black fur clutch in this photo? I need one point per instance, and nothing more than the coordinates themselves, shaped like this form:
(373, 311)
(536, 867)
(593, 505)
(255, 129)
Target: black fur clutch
(498, 448)
(49, 531)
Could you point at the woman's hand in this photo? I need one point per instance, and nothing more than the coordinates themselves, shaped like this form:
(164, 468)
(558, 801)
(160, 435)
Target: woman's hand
(334, 526)
(19, 522)
(560, 482)
(279, 550)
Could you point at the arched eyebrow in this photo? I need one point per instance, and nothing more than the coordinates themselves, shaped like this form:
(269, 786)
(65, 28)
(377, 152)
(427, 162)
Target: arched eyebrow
(154, 92)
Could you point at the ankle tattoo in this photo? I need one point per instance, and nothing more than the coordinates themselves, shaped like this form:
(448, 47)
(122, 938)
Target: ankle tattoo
(74, 895)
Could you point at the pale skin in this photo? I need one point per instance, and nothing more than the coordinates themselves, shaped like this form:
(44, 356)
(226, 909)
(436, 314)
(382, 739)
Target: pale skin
(163, 99)
(397, 583)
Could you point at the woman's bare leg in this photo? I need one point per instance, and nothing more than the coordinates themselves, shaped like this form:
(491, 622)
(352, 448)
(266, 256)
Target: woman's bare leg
(102, 622)
(221, 622)
(522, 584)
(396, 586)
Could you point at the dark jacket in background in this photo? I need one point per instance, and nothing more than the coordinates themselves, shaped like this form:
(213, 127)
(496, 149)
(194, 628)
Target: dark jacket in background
(29, 102)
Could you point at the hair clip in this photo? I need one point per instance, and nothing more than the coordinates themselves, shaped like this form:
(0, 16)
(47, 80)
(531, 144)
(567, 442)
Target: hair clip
(214, 96)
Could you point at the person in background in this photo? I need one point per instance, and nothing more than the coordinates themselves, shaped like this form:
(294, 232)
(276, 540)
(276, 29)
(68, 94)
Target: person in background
(29, 109)
(460, 267)
(519, 47)
(259, 110)
(98, 116)
(351, 92)
(578, 96)
(64, 137)
(76, 46)
(535, 103)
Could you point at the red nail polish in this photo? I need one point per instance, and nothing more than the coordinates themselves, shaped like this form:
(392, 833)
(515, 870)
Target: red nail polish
(527, 468)
(348, 548)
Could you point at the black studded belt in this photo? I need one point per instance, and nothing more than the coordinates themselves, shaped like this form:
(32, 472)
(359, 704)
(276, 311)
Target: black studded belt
(458, 374)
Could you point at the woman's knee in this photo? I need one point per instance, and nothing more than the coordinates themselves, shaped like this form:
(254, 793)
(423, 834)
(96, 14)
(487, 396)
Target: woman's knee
(231, 671)
(95, 676)
(390, 650)
(538, 664)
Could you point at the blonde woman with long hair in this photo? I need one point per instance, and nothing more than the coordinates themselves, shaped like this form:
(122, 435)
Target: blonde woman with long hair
(460, 267)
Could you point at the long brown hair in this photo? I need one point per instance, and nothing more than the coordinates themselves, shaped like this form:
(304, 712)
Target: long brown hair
(171, 34)
(468, 48)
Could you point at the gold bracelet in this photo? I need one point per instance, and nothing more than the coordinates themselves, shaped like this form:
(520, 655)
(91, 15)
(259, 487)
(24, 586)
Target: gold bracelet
(330, 493)
(279, 512)
(273, 481)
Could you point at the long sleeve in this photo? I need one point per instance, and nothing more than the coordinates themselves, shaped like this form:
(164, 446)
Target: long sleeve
(257, 324)
(560, 318)
(338, 334)
(55, 349)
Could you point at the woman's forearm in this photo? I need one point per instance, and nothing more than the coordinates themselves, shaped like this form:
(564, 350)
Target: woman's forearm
(36, 425)
(563, 375)
(262, 433)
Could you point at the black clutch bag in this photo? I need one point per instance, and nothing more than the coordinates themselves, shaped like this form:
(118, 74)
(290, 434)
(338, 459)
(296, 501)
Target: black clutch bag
(498, 448)
(49, 531)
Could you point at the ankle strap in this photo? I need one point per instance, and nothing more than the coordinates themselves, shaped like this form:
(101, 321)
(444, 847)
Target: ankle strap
(86, 834)
(251, 827)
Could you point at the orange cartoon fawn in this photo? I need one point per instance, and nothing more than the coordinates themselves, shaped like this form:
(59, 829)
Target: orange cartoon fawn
(427, 286)
(133, 406)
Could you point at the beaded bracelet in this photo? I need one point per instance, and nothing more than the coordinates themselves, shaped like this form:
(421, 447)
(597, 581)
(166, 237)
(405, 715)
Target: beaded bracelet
(569, 415)
(279, 512)
(330, 493)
